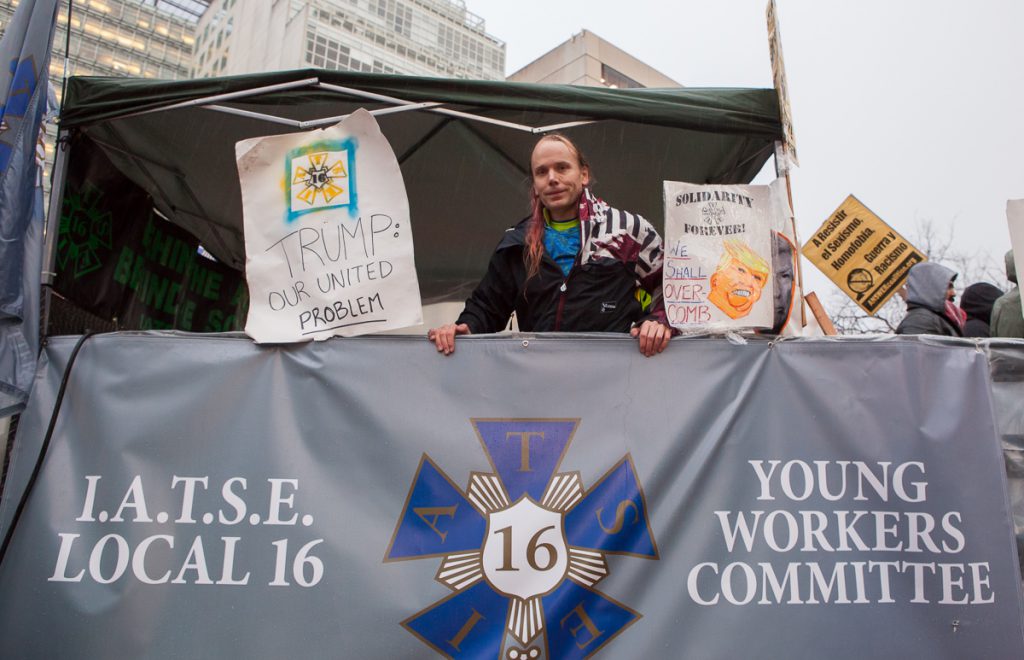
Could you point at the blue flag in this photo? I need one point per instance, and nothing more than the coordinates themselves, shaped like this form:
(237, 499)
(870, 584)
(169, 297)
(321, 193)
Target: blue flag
(24, 60)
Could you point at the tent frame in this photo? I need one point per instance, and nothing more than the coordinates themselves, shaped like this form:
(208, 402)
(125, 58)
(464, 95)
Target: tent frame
(398, 105)
(217, 103)
(213, 102)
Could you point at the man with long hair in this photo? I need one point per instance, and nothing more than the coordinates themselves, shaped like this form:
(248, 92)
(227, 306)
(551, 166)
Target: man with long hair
(574, 265)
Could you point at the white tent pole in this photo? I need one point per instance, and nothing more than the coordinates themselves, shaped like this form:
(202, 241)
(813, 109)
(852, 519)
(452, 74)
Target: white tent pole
(50, 227)
(484, 120)
(441, 111)
(255, 115)
(206, 100)
(402, 105)
(558, 127)
(56, 204)
(313, 123)
(363, 94)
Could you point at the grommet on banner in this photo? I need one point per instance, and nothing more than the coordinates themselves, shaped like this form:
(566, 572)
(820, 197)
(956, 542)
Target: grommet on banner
(526, 343)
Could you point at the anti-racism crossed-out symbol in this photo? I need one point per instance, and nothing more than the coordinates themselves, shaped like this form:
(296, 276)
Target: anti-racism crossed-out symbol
(859, 280)
(523, 548)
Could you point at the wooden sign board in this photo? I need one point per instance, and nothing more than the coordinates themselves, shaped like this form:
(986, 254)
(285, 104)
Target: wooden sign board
(863, 255)
(779, 79)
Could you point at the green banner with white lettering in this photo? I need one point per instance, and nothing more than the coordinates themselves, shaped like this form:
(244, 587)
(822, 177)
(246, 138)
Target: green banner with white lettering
(119, 260)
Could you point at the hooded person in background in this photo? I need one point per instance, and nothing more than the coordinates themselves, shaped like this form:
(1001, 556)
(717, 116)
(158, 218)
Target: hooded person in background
(1007, 320)
(977, 303)
(930, 308)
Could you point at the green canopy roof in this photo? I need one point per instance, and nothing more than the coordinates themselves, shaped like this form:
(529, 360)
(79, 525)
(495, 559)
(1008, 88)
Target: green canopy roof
(463, 145)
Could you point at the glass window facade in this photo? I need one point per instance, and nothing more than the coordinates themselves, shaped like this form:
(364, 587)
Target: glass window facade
(417, 37)
(123, 38)
(141, 38)
(612, 77)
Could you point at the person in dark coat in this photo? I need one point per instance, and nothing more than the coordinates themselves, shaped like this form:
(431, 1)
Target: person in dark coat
(574, 264)
(930, 308)
(1007, 320)
(977, 303)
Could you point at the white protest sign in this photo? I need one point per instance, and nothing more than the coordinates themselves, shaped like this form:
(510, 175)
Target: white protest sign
(328, 242)
(718, 256)
(1015, 219)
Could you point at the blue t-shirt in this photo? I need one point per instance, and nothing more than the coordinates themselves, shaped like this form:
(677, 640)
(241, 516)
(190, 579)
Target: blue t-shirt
(562, 242)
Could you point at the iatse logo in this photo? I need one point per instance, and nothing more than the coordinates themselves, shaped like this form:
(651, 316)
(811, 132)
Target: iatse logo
(523, 548)
(321, 176)
(712, 214)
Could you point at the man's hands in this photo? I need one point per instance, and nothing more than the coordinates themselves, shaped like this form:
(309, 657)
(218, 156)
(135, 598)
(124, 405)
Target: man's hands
(653, 337)
(444, 337)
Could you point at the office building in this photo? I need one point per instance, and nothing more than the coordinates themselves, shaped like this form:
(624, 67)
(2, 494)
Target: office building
(140, 38)
(416, 37)
(587, 59)
(143, 38)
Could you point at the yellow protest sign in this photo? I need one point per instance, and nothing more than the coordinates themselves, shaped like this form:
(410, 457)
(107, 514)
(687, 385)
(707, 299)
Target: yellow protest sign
(864, 256)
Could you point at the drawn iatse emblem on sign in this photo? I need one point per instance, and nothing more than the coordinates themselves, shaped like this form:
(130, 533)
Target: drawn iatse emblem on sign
(321, 176)
(712, 213)
(523, 548)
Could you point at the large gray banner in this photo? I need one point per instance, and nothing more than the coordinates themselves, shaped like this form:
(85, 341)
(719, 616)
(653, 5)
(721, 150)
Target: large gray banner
(540, 497)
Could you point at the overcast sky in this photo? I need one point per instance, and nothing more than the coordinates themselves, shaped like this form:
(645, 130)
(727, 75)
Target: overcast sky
(916, 107)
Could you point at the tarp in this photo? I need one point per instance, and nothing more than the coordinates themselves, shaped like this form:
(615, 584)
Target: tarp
(368, 498)
(24, 58)
(466, 179)
(1006, 359)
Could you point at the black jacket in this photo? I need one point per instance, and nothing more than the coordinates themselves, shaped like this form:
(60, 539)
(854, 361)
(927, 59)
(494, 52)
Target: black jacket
(977, 303)
(598, 295)
(923, 321)
(927, 284)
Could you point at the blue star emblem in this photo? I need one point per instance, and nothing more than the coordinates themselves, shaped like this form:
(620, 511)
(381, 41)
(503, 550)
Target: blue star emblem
(523, 548)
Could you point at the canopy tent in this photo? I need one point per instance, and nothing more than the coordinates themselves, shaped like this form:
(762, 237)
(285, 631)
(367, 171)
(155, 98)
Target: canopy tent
(463, 146)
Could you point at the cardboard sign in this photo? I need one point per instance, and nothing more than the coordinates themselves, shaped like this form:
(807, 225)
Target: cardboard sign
(779, 80)
(718, 257)
(1015, 220)
(864, 256)
(328, 241)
